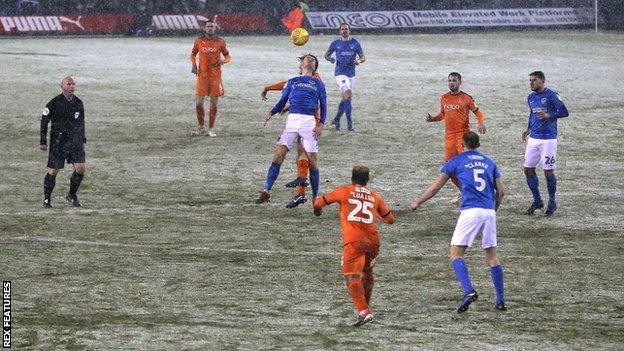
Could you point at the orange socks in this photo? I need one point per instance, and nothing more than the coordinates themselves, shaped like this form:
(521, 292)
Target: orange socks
(302, 172)
(212, 116)
(199, 110)
(356, 290)
(368, 280)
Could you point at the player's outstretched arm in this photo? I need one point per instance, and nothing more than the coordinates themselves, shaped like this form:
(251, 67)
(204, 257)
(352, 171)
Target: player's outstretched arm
(328, 56)
(267, 118)
(430, 192)
(500, 192)
(360, 59)
(435, 118)
(525, 134)
(481, 128)
(194, 58)
(384, 213)
(43, 129)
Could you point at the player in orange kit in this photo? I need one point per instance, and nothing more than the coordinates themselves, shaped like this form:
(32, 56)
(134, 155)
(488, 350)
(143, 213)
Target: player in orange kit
(301, 161)
(359, 206)
(209, 83)
(454, 108)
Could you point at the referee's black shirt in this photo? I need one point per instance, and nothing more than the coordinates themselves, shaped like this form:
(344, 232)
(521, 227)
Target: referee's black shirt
(67, 118)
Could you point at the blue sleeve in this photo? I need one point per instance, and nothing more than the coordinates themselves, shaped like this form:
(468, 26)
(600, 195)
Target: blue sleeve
(529, 104)
(359, 50)
(332, 48)
(560, 108)
(322, 101)
(449, 167)
(283, 99)
(496, 172)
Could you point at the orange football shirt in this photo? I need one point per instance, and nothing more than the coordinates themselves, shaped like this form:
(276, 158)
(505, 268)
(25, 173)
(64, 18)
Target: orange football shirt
(454, 109)
(359, 206)
(210, 51)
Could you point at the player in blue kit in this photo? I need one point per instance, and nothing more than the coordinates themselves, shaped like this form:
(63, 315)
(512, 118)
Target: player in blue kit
(348, 54)
(304, 93)
(545, 108)
(482, 192)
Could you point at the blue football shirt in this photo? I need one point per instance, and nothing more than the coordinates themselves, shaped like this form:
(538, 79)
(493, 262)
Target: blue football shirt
(547, 101)
(477, 175)
(346, 51)
(305, 94)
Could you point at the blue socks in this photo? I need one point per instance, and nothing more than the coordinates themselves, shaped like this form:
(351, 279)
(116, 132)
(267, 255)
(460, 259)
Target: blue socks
(341, 110)
(498, 281)
(347, 109)
(314, 181)
(551, 183)
(461, 273)
(533, 183)
(272, 175)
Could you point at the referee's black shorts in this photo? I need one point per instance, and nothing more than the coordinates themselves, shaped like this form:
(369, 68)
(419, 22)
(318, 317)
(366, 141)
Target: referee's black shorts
(61, 152)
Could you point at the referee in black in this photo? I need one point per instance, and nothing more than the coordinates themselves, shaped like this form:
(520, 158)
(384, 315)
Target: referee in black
(67, 138)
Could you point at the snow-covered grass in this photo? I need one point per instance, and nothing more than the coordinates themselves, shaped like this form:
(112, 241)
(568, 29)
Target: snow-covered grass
(170, 252)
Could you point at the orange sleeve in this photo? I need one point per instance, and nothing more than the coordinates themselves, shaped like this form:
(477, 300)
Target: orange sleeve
(329, 198)
(440, 115)
(226, 53)
(385, 215)
(194, 52)
(275, 86)
(475, 109)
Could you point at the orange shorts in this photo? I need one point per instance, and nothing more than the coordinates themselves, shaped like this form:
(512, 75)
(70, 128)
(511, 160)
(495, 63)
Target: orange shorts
(208, 86)
(453, 145)
(359, 256)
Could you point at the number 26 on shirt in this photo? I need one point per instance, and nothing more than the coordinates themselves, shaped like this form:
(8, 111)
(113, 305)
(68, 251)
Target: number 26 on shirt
(361, 212)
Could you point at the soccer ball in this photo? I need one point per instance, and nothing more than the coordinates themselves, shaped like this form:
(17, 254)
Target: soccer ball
(299, 36)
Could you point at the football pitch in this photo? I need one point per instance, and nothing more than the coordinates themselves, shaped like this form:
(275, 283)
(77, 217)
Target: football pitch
(170, 252)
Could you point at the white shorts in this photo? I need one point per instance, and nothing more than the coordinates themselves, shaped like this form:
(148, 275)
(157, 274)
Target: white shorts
(542, 152)
(299, 125)
(472, 222)
(345, 83)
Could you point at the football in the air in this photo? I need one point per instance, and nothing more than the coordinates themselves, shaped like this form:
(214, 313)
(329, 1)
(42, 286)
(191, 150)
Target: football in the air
(299, 36)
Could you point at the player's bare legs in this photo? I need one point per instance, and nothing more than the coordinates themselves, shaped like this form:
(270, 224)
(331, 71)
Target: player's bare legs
(52, 171)
(533, 183)
(496, 271)
(212, 115)
(201, 114)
